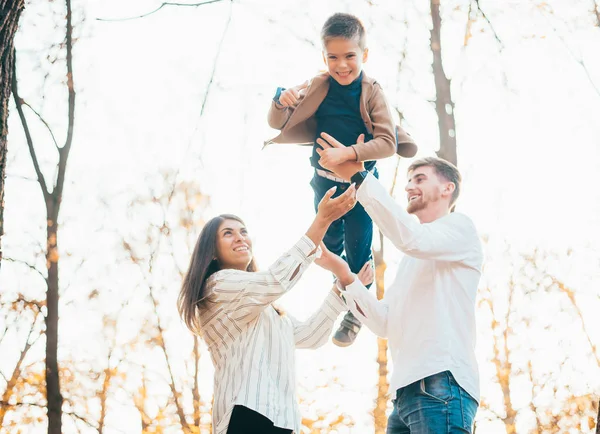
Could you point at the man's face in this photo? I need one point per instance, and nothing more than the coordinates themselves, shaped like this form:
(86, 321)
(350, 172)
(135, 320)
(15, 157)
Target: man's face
(344, 59)
(424, 188)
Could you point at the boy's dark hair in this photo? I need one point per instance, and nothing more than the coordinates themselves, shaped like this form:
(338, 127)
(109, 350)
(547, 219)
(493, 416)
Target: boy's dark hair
(344, 26)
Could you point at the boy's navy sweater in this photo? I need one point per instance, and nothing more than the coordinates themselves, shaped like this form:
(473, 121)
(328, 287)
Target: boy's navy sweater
(339, 116)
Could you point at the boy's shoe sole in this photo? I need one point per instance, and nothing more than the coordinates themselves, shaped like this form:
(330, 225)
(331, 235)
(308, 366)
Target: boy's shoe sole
(344, 336)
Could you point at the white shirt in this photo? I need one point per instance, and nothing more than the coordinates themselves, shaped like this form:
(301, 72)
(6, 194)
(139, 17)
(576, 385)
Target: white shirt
(428, 312)
(252, 346)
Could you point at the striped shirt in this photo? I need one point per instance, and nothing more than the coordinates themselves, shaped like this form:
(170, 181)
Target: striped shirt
(252, 345)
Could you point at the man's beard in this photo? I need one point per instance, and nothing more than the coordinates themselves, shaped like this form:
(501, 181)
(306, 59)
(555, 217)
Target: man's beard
(415, 205)
(420, 203)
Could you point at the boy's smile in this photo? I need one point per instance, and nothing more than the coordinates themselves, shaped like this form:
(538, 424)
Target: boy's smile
(344, 59)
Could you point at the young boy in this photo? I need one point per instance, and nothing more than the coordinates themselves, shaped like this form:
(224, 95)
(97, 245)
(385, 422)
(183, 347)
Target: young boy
(344, 103)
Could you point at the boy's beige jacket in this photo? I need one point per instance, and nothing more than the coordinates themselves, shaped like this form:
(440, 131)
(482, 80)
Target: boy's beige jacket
(298, 124)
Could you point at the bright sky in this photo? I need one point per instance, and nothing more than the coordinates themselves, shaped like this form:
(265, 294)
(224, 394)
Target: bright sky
(528, 137)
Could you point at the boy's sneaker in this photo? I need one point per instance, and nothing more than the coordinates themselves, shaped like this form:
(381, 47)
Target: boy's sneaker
(346, 333)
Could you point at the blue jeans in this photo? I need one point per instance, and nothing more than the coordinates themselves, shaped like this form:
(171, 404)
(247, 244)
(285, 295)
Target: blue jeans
(353, 232)
(433, 405)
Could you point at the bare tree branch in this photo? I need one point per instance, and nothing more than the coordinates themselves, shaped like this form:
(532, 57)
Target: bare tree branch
(108, 374)
(21, 404)
(503, 367)
(176, 396)
(215, 63)
(468, 26)
(81, 418)
(575, 58)
(64, 151)
(485, 406)
(19, 105)
(485, 17)
(580, 62)
(259, 12)
(571, 296)
(532, 405)
(161, 341)
(158, 9)
(24, 178)
(27, 302)
(43, 121)
(10, 384)
(206, 95)
(597, 13)
(31, 267)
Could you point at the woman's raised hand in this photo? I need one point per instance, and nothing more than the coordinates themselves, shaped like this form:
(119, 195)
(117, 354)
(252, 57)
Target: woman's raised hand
(329, 210)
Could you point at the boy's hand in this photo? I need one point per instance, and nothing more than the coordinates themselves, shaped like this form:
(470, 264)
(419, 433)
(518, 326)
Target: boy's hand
(344, 170)
(290, 97)
(336, 156)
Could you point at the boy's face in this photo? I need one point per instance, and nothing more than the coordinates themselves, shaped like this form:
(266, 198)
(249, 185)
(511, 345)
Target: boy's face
(344, 59)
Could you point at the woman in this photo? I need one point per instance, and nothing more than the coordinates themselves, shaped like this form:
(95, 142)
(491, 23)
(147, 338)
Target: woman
(230, 304)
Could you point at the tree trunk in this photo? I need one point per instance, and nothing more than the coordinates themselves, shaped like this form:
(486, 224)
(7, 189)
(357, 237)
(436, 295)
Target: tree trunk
(108, 374)
(382, 361)
(503, 356)
(598, 419)
(53, 199)
(53, 395)
(444, 106)
(10, 12)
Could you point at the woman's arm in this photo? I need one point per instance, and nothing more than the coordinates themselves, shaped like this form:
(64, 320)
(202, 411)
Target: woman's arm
(315, 331)
(246, 294)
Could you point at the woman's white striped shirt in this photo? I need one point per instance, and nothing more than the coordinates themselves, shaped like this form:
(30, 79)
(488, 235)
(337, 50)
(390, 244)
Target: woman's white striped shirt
(252, 345)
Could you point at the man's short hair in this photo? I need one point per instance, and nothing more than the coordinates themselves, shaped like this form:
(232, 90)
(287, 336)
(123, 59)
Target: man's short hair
(345, 26)
(444, 169)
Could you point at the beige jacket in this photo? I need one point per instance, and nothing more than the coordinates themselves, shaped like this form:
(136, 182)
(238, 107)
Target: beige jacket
(298, 124)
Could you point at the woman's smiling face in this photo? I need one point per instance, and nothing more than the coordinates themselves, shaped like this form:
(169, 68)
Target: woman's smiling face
(234, 246)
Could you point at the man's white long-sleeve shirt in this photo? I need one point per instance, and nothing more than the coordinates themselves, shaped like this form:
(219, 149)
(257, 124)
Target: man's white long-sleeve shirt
(428, 312)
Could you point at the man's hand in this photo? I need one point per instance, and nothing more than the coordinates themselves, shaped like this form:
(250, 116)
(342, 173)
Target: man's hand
(346, 169)
(366, 275)
(291, 96)
(336, 156)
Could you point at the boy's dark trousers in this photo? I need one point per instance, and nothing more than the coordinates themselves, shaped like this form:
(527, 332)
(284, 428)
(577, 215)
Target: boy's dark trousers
(352, 232)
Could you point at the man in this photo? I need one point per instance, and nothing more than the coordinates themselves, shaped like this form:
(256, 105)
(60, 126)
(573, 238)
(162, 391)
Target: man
(428, 313)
